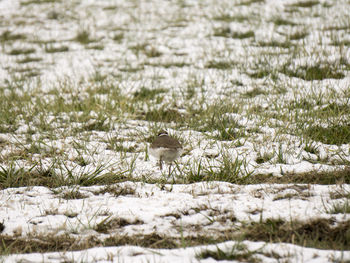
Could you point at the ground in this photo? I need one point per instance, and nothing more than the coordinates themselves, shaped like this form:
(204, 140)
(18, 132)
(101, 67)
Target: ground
(257, 92)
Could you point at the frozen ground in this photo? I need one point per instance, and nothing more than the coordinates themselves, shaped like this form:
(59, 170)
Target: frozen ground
(256, 91)
(177, 211)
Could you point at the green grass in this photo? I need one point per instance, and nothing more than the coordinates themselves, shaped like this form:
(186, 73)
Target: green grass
(152, 52)
(228, 171)
(317, 233)
(243, 35)
(213, 119)
(231, 171)
(96, 46)
(72, 194)
(332, 109)
(162, 115)
(9, 36)
(54, 49)
(174, 64)
(340, 194)
(238, 252)
(339, 208)
(222, 65)
(226, 32)
(119, 147)
(146, 49)
(311, 147)
(275, 44)
(259, 93)
(29, 60)
(148, 94)
(250, 2)
(114, 223)
(51, 243)
(100, 124)
(21, 51)
(83, 37)
(305, 4)
(324, 178)
(12, 245)
(279, 21)
(118, 37)
(318, 72)
(298, 35)
(259, 74)
(12, 176)
(334, 134)
(231, 18)
(31, 2)
(54, 15)
(116, 190)
(265, 157)
(255, 92)
(222, 32)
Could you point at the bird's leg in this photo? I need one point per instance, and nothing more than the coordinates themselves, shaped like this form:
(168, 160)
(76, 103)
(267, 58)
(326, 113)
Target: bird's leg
(169, 169)
(160, 163)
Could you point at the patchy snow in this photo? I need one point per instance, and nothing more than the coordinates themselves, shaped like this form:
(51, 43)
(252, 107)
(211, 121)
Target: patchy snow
(288, 252)
(171, 212)
(215, 49)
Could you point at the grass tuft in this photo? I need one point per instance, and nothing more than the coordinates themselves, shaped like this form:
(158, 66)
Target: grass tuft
(341, 176)
(255, 92)
(9, 36)
(11, 176)
(305, 4)
(317, 233)
(222, 65)
(53, 49)
(315, 73)
(73, 194)
(228, 170)
(278, 21)
(83, 37)
(29, 60)
(239, 252)
(42, 244)
(227, 32)
(31, 2)
(110, 224)
(148, 94)
(117, 190)
(162, 115)
(339, 208)
(21, 51)
(336, 134)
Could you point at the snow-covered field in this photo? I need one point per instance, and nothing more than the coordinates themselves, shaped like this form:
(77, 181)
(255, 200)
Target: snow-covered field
(257, 91)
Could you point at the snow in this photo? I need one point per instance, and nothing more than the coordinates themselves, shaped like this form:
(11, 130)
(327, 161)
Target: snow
(149, 209)
(182, 32)
(288, 252)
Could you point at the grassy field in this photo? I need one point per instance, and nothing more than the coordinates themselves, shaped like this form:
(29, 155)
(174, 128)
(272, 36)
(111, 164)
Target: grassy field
(257, 91)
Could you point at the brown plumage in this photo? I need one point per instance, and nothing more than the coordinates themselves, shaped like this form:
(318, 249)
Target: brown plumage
(166, 142)
(165, 148)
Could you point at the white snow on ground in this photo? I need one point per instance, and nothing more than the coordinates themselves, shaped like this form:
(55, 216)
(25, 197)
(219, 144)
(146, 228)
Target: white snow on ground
(26, 209)
(148, 209)
(173, 45)
(286, 252)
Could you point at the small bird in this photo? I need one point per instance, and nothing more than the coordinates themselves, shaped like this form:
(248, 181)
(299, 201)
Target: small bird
(165, 148)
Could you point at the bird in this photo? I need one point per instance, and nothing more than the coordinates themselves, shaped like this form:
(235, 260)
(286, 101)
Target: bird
(165, 148)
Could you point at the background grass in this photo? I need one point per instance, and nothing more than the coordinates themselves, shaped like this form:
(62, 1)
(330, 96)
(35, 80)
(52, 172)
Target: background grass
(258, 89)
